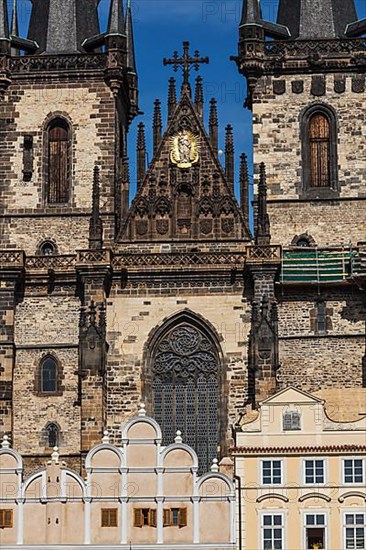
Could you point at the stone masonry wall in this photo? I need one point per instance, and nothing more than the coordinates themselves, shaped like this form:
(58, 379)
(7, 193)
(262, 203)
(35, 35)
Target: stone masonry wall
(334, 359)
(276, 121)
(133, 315)
(46, 325)
(90, 107)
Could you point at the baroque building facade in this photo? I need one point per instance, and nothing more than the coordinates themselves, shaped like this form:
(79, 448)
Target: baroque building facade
(171, 299)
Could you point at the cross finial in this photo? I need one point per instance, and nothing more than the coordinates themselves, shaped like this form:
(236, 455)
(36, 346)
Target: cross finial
(187, 62)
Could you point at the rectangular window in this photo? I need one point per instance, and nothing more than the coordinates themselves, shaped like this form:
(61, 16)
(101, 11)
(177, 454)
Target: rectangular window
(109, 517)
(291, 421)
(314, 471)
(175, 517)
(354, 531)
(271, 472)
(353, 470)
(6, 519)
(315, 531)
(272, 532)
(145, 516)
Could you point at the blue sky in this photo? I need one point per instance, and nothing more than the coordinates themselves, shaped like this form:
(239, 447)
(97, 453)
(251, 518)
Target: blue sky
(211, 26)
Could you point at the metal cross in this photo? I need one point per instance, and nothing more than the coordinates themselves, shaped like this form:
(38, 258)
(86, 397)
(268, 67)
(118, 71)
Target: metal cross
(186, 62)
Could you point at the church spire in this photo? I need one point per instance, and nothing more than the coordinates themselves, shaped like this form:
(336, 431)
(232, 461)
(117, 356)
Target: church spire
(131, 57)
(172, 98)
(214, 125)
(253, 26)
(116, 22)
(262, 234)
(61, 26)
(95, 225)
(244, 188)
(199, 96)
(310, 19)
(141, 154)
(14, 31)
(251, 13)
(4, 27)
(14, 19)
(157, 125)
(229, 157)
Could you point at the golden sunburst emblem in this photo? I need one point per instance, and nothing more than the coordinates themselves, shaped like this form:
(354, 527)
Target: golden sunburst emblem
(184, 149)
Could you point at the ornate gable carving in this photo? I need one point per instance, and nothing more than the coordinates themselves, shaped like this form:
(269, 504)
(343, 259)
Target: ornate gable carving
(185, 195)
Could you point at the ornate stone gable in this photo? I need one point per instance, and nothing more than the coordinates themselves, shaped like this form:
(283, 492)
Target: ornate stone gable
(185, 194)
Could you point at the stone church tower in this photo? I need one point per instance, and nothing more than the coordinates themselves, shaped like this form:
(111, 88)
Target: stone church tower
(306, 91)
(171, 300)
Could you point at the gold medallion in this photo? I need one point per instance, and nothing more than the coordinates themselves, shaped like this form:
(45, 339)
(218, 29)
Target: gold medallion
(184, 149)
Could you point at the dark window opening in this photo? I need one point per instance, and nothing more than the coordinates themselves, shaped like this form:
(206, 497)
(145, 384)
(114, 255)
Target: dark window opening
(315, 537)
(321, 318)
(58, 180)
(303, 243)
(145, 517)
(52, 434)
(47, 249)
(49, 375)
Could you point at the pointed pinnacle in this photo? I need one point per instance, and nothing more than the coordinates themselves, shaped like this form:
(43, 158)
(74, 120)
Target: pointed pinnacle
(131, 57)
(251, 12)
(262, 187)
(116, 21)
(4, 22)
(213, 113)
(229, 139)
(14, 19)
(141, 143)
(157, 114)
(199, 90)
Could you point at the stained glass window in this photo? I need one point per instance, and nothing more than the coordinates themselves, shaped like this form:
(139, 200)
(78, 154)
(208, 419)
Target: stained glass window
(186, 390)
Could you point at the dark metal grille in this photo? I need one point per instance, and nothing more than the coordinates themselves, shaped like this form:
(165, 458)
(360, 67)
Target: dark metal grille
(185, 386)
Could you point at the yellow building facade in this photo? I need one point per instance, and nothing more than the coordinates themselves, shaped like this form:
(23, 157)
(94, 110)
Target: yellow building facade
(302, 475)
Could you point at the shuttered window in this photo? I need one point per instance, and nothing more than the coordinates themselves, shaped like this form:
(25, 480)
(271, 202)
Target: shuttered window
(109, 517)
(6, 519)
(144, 516)
(319, 136)
(175, 517)
(58, 184)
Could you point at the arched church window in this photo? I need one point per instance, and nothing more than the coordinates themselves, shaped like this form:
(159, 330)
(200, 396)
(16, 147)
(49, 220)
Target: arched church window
(49, 370)
(319, 137)
(319, 149)
(47, 248)
(186, 388)
(52, 435)
(58, 162)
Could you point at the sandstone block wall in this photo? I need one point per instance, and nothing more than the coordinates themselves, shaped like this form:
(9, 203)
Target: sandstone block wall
(134, 315)
(89, 106)
(277, 142)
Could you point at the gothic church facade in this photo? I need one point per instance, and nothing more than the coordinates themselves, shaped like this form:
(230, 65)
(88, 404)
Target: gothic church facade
(171, 300)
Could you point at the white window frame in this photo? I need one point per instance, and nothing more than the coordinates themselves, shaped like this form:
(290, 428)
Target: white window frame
(316, 512)
(325, 472)
(343, 473)
(280, 460)
(353, 511)
(271, 512)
